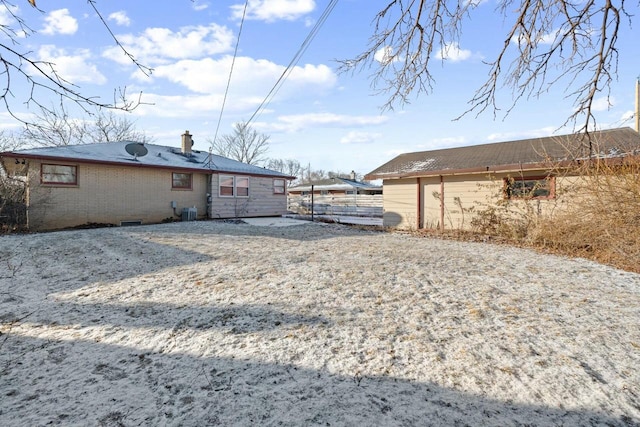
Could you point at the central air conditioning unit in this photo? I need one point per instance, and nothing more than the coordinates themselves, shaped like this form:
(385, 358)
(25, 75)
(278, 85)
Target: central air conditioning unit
(189, 214)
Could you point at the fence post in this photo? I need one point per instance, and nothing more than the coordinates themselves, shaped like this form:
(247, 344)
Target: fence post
(311, 202)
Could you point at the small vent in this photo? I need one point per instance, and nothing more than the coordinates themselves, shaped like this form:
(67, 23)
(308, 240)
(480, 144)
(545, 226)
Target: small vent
(128, 223)
(189, 214)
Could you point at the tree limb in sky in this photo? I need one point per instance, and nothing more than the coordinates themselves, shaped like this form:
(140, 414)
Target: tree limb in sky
(547, 43)
(55, 127)
(40, 79)
(245, 144)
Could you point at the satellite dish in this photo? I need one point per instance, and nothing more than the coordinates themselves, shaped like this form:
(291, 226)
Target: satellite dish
(136, 149)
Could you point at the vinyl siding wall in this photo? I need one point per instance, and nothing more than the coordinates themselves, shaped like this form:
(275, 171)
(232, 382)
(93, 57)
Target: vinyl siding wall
(400, 201)
(110, 195)
(464, 196)
(261, 201)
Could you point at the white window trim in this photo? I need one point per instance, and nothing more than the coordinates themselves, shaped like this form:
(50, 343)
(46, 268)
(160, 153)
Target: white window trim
(235, 186)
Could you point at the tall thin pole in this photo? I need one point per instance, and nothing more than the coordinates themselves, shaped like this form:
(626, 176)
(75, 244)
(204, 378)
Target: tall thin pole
(638, 105)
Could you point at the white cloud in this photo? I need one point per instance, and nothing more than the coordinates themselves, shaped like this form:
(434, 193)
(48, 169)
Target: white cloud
(452, 52)
(250, 76)
(198, 6)
(602, 104)
(354, 137)
(274, 10)
(514, 136)
(74, 67)
(159, 45)
(60, 22)
(384, 56)
(120, 18)
(297, 122)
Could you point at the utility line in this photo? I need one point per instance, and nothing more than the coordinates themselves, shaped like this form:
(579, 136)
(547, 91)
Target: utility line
(233, 61)
(296, 58)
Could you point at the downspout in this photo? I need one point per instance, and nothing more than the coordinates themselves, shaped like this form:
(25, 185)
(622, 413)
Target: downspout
(441, 203)
(419, 205)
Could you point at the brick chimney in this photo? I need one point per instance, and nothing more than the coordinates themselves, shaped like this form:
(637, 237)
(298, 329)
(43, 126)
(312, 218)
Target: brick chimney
(187, 143)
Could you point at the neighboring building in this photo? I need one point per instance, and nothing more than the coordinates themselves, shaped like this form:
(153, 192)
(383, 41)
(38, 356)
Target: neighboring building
(337, 196)
(443, 188)
(123, 183)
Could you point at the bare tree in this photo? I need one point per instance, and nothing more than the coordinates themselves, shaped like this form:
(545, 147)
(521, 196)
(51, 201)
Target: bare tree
(54, 127)
(245, 144)
(290, 167)
(547, 42)
(41, 78)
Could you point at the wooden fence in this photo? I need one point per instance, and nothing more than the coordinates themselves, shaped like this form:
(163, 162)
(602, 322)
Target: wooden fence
(347, 205)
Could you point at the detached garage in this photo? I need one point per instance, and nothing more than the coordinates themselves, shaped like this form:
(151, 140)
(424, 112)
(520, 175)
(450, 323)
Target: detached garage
(444, 188)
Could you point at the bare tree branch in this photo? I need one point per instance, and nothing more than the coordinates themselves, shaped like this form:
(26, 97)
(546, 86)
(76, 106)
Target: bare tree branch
(245, 144)
(549, 42)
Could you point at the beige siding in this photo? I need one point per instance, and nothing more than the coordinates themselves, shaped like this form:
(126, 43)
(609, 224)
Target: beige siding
(466, 195)
(261, 201)
(400, 201)
(110, 195)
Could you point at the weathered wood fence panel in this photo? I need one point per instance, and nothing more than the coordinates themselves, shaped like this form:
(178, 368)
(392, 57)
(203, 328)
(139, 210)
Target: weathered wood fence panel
(350, 205)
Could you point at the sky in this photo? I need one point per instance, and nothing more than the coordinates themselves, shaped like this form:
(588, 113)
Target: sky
(319, 116)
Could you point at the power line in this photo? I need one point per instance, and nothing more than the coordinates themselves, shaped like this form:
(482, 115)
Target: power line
(233, 61)
(312, 34)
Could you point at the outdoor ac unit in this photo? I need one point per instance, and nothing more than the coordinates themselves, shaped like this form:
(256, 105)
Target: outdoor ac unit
(189, 214)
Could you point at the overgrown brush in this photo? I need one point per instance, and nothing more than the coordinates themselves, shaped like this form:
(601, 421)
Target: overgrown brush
(600, 221)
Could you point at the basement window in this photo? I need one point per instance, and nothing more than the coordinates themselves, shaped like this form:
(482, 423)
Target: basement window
(181, 181)
(536, 187)
(59, 174)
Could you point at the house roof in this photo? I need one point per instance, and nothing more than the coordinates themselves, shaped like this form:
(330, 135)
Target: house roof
(532, 153)
(158, 156)
(336, 184)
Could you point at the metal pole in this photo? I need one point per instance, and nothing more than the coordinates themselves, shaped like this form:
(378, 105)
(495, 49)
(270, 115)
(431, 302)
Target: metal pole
(311, 203)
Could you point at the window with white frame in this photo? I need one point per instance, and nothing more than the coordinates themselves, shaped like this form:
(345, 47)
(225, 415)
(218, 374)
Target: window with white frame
(242, 186)
(234, 186)
(279, 186)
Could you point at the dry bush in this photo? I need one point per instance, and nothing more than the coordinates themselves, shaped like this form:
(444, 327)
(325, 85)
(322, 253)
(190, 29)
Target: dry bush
(600, 221)
(603, 221)
(13, 212)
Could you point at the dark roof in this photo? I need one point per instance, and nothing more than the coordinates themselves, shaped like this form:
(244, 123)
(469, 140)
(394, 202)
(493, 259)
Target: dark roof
(158, 156)
(336, 183)
(531, 153)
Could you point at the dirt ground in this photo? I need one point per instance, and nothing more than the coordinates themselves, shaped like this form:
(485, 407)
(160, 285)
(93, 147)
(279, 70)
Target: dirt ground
(219, 323)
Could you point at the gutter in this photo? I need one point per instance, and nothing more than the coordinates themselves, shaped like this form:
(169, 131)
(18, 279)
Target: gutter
(133, 163)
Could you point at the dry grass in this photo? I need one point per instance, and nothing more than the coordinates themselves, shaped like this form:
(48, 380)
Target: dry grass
(603, 223)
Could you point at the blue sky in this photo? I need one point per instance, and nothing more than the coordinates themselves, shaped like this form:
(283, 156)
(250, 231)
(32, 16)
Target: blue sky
(319, 117)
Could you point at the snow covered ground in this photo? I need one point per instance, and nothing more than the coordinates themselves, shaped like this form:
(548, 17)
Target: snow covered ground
(215, 323)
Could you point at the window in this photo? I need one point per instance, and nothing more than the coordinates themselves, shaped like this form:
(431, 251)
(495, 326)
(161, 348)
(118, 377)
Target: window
(530, 187)
(181, 181)
(324, 192)
(349, 192)
(226, 186)
(242, 186)
(59, 174)
(234, 186)
(279, 186)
